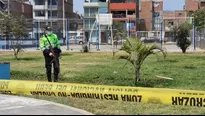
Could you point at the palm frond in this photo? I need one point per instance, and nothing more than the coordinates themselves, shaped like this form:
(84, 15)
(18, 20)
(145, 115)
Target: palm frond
(139, 51)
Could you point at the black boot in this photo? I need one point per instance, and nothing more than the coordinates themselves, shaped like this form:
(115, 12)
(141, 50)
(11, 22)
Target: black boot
(55, 78)
(49, 77)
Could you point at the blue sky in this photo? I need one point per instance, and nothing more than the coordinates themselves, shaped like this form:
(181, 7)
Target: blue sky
(168, 5)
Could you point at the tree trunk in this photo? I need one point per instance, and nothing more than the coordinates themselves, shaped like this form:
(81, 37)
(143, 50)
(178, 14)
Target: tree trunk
(137, 74)
(183, 50)
(15, 55)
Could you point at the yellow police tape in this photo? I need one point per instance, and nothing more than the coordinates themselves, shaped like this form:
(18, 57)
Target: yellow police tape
(102, 92)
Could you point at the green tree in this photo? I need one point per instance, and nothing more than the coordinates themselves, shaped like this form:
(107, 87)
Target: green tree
(118, 34)
(181, 33)
(118, 31)
(14, 27)
(137, 52)
(198, 18)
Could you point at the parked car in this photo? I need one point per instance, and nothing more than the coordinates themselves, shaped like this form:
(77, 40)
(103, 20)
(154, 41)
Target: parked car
(76, 40)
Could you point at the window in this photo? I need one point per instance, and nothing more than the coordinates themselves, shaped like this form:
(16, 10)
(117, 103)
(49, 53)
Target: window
(117, 1)
(171, 23)
(179, 14)
(86, 24)
(202, 4)
(131, 13)
(40, 13)
(156, 14)
(93, 11)
(119, 14)
(102, 0)
(39, 2)
(54, 2)
(86, 11)
(131, 1)
(157, 26)
(54, 14)
(103, 10)
(94, 0)
(91, 23)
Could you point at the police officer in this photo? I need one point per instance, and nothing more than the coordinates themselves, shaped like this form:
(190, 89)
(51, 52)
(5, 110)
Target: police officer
(50, 58)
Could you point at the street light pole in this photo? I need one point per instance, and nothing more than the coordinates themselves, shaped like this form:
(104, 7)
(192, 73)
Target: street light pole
(63, 18)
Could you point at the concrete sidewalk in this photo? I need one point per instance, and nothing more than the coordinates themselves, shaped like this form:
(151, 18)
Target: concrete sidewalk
(15, 105)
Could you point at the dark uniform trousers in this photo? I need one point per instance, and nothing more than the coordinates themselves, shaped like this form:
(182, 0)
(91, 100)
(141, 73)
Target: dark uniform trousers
(49, 62)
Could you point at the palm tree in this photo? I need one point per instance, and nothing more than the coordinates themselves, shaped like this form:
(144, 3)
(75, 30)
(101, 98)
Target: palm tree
(137, 52)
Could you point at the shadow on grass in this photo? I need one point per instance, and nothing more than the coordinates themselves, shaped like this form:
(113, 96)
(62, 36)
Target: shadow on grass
(198, 57)
(66, 54)
(30, 59)
(189, 67)
(153, 82)
(27, 75)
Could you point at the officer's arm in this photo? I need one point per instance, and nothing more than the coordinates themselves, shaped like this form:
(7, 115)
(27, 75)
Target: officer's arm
(57, 42)
(42, 44)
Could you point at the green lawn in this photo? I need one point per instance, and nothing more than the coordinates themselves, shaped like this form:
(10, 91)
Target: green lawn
(187, 70)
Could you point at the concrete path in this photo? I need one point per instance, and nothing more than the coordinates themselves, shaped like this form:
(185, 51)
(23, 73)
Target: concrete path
(108, 48)
(15, 105)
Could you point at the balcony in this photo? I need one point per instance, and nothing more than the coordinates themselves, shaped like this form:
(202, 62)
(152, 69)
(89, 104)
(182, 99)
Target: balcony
(103, 5)
(118, 6)
(123, 1)
(91, 5)
(52, 7)
(39, 7)
(39, 18)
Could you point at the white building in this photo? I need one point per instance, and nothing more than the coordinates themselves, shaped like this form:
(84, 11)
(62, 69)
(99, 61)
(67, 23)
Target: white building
(45, 9)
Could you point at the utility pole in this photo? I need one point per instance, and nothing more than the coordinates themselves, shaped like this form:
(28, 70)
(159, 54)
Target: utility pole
(8, 7)
(51, 15)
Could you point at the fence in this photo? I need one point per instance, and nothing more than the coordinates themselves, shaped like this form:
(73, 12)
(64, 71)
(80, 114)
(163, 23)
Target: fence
(72, 33)
(200, 39)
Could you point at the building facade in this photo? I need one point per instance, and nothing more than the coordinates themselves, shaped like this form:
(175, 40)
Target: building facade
(150, 15)
(47, 9)
(192, 5)
(138, 15)
(125, 11)
(54, 13)
(91, 8)
(16, 7)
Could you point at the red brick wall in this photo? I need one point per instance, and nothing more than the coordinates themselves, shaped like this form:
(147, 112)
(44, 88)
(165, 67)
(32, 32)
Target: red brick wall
(68, 9)
(18, 8)
(146, 15)
(117, 6)
(180, 13)
(168, 14)
(191, 5)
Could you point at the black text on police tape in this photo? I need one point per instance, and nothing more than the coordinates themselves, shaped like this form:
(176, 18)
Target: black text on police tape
(114, 97)
(92, 88)
(5, 92)
(47, 93)
(44, 87)
(188, 101)
(4, 85)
